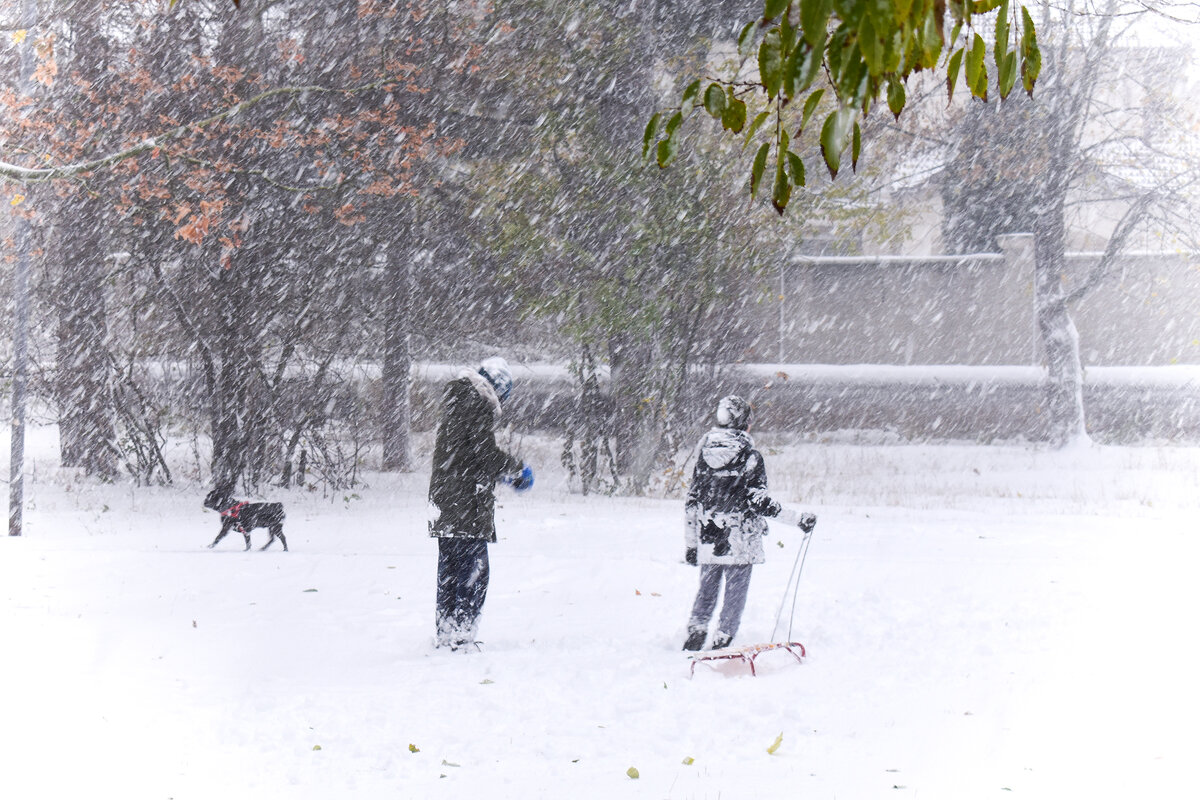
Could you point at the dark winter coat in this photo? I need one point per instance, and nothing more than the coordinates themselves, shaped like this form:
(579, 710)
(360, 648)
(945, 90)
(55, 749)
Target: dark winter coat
(467, 462)
(727, 500)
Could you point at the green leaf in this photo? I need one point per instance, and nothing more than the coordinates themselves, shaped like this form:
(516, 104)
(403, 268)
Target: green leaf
(931, 42)
(855, 147)
(770, 63)
(893, 50)
(651, 132)
(714, 100)
(773, 8)
(1008, 74)
(869, 44)
(775, 745)
(954, 32)
(896, 96)
(746, 39)
(759, 119)
(667, 149)
(787, 33)
(803, 66)
(632, 772)
(688, 101)
(688, 761)
(734, 118)
(796, 168)
(810, 105)
(977, 78)
(835, 136)
(952, 70)
(674, 122)
(760, 166)
(1031, 55)
(851, 80)
(790, 65)
(781, 192)
(1000, 45)
(814, 19)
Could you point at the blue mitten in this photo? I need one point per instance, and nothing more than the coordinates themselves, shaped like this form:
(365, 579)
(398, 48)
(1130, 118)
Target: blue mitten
(523, 480)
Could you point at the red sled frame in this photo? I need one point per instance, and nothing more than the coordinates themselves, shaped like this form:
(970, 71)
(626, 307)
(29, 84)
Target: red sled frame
(748, 653)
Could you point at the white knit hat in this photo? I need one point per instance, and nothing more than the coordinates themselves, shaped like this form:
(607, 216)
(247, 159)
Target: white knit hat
(733, 412)
(496, 370)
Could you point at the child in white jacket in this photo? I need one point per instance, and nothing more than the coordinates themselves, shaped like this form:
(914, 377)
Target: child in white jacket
(725, 514)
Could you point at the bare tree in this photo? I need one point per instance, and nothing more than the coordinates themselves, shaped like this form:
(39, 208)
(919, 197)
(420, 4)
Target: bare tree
(1102, 128)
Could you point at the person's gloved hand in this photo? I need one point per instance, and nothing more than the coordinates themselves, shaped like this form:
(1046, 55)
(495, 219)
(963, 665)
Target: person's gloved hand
(523, 480)
(690, 556)
(807, 522)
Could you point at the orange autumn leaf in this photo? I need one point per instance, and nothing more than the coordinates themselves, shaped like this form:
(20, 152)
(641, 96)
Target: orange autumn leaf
(196, 230)
(347, 216)
(45, 72)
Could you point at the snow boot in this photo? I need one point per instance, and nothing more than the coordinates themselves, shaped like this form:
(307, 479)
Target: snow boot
(695, 639)
(721, 640)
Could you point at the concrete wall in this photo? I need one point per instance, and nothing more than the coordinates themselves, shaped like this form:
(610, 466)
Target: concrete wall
(1146, 312)
(975, 309)
(984, 404)
(1124, 405)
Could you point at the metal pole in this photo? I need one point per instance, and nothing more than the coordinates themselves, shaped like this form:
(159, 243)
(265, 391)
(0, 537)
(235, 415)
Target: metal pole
(16, 482)
(22, 241)
(782, 296)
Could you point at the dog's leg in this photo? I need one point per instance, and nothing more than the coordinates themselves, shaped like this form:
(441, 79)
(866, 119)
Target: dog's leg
(226, 524)
(276, 531)
(246, 533)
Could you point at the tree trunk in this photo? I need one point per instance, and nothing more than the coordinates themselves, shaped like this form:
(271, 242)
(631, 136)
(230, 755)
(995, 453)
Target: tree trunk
(83, 392)
(1059, 338)
(637, 421)
(228, 400)
(396, 379)
(83, 389)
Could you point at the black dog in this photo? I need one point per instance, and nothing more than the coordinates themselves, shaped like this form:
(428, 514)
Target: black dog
(245, 516)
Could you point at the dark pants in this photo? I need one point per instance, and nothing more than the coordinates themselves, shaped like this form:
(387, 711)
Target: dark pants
(737, 586)
(461, 590)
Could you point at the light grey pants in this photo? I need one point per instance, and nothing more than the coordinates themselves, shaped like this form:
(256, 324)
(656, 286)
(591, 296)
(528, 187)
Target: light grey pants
(737, 586)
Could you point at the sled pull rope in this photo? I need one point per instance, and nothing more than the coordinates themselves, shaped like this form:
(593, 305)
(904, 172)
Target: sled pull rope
(797, 570)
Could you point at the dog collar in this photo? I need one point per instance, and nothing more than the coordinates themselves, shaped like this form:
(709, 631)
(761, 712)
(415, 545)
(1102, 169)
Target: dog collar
(232, 513)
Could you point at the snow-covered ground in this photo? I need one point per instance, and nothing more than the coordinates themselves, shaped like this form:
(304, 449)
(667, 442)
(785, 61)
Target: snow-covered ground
(980, 622)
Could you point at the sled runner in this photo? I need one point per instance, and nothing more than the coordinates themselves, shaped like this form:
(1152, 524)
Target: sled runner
(747, 654)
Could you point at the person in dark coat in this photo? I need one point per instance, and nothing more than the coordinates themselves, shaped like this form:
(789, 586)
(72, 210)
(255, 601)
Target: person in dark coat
(467, 463)
(725, 513)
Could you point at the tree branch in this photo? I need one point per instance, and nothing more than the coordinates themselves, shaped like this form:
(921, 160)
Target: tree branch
(14, 172)
(1116, 242)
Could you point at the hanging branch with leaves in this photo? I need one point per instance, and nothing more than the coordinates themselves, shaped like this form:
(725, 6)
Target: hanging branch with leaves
(173, 3)
(855, 52)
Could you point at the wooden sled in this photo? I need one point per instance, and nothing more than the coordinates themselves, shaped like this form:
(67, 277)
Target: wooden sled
(747, 654)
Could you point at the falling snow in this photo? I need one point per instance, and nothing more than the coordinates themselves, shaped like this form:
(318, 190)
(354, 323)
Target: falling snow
(245, 245)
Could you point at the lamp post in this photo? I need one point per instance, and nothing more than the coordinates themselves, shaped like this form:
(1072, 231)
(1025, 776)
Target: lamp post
(22, 236)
